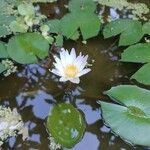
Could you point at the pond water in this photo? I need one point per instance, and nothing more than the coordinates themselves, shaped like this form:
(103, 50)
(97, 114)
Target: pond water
(33, 90)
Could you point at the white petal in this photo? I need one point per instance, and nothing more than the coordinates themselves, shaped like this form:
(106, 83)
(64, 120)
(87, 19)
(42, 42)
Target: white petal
(69, 59)
(78, 60)
(63, 79)
(63, 58)
(62, 49)
(84, 71)
(57, 60)
(75, 80)
(55, 71)
(83, 63)
(73, 54)
(58, 66)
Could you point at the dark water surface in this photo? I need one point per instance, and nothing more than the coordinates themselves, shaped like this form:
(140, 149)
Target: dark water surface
(33, 90)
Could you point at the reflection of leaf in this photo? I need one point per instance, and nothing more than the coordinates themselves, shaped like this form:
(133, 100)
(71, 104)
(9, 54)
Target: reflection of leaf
(130, 30)
(131, 119)
(66, 125)
(25, 48)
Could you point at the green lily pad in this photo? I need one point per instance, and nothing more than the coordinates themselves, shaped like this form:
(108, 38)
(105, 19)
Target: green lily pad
(131, 119)
(2, 68)
(66, 125)
(146, 28)
(139, 53)
(130, 30)
(88, 22)
(76, 6)
(26, 9)
(143, 74)
(27, 48)
(3, 50)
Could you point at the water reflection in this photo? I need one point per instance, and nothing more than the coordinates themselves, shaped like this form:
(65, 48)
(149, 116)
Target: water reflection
(34, 91)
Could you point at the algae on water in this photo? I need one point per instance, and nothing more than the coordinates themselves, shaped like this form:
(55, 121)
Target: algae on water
(137, 9)
(11, 124)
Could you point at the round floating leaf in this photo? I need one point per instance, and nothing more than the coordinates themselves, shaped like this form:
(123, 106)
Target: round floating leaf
(146, 28)
(130, 119)
(66, 125)
(2, 68)
(143, 75)
(18, 26)
(139, 53)
(3, 50)
(82, 5)
(26, 9)
(130, 30)
(25, 48)
(54, 26)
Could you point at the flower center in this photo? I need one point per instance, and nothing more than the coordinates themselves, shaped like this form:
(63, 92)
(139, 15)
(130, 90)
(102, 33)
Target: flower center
(71, 71)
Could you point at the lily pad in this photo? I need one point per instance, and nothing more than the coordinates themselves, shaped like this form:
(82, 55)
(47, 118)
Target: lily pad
(130, 30)
(3, 50)
(143, 74)
(88, 22)
(27, 48)
(130, 119)
(66, 125)
(139, 53)
(146, 28)
(2, 68)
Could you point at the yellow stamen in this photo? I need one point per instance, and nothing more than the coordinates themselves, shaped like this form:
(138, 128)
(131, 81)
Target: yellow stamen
(71, 71)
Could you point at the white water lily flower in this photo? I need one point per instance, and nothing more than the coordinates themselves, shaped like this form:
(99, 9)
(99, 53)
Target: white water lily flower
(69, 66)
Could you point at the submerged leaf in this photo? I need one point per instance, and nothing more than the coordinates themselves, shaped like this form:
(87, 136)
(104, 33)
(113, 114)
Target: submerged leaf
(130, 119)
(66, 125)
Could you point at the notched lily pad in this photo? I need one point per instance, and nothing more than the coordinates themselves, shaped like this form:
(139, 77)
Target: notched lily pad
(131, 119)
(130, 30)
(66, 125)
(27, 48)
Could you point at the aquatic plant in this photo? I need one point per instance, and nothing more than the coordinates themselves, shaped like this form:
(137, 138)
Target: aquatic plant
(132, 114)
(32, 36)
(66, 125)
(11, 124)
(137, 9)
(69, 66)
